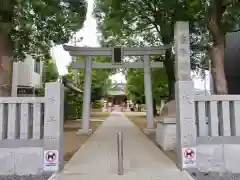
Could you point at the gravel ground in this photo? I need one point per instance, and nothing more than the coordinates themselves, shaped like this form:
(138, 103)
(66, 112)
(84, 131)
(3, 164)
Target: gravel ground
(195, 175)
(215, 176)
(29, 177)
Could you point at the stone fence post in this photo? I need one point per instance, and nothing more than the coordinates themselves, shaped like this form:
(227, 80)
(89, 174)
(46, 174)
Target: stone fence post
(53, 127)
(184, 95)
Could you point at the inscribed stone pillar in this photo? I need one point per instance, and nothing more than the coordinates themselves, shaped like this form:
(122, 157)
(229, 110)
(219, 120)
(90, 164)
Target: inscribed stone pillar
(184, 95)
(86, 97)
(182, 50)
(148, 92)
(53, 122)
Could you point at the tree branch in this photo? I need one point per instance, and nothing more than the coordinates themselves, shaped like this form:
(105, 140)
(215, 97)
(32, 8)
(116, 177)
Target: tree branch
(154, 23)
(216, 10)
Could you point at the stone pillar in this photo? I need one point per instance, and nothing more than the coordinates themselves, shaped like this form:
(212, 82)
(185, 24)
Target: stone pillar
(148, 93)
(53, 123)
(86, 97)
(14, 79)
(161, 107)
(184, 95)
(128, 106)
(104, 109)
(137, 107)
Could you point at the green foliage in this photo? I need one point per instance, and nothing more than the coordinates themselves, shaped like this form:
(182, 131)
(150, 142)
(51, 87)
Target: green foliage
(49, 74)
(72, 106)
(135, 85)
(50, 71)
(97, 104)
(33, 25)
(148, 23)
(100, 84)
(151, 23)
(124, 24)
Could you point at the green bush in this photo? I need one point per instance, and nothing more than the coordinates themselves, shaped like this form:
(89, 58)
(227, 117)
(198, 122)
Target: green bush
(72, 107)
(97, 104)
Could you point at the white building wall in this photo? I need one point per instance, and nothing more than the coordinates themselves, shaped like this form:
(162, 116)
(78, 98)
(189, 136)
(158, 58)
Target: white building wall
(25, 75)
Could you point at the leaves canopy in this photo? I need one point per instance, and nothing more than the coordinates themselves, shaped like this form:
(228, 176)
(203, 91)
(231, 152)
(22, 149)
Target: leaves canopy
(33, 25)
(151, 23)
(123, 24)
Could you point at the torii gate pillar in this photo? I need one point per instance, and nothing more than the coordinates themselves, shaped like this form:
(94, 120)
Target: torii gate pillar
(86, 97)
(148, 95)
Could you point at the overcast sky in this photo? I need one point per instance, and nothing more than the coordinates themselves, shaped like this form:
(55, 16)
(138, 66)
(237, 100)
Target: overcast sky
(90, 38)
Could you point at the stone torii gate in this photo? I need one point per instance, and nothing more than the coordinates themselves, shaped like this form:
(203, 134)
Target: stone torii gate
(117, 55)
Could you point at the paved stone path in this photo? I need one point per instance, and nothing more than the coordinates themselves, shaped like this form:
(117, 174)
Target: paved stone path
(97, 159)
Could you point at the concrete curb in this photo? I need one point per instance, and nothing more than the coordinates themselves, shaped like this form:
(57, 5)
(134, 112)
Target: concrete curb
(53, 176)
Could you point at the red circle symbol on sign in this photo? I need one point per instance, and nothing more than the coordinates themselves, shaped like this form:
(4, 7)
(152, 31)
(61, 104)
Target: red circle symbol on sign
(50, 156)
(189, 154)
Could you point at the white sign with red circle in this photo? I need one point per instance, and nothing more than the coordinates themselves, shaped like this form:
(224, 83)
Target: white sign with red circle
(189, 157)
(50, 160)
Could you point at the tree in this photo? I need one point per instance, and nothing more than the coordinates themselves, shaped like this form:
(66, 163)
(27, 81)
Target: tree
(31, 27)
(145, 23)
(213, 20)
(135, 86)
(50, 71)
(73, 101)
(100, 84)
(223, 15)
(99, 77)
(49, 74)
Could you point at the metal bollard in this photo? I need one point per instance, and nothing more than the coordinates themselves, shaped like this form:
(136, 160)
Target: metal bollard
(120, 153)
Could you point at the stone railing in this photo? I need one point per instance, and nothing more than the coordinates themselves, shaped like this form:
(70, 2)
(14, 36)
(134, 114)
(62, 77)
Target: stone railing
(29, 128)
(218, 116)
(217, 132)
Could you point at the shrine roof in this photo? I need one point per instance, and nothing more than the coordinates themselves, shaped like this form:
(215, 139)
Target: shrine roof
(116, 93)
(117, 90)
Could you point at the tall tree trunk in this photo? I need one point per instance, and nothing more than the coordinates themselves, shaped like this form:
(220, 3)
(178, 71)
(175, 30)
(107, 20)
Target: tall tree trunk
(169, 65)
(6, 65)
(216, 52)
(218, 73)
